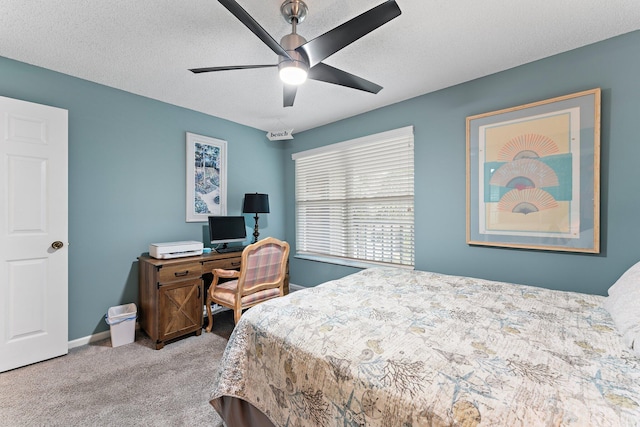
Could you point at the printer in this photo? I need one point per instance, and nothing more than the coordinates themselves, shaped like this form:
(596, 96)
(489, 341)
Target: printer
(175, 249)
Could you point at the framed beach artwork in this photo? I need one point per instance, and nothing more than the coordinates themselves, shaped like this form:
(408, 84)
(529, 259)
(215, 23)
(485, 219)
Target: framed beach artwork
(533, 175)
(206, 177)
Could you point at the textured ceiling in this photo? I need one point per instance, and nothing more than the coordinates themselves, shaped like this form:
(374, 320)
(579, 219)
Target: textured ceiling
(147, 46)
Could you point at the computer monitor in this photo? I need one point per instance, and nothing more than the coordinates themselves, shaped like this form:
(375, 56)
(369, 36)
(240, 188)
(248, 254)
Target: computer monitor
(227, 229)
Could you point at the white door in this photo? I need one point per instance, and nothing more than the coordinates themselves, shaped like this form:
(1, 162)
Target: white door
(33, 215)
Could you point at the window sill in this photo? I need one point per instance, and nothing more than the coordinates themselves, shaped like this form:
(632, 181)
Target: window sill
(349, 262)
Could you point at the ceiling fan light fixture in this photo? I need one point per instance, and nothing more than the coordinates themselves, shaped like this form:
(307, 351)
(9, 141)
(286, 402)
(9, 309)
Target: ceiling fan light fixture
(293, 72)
(294, 69)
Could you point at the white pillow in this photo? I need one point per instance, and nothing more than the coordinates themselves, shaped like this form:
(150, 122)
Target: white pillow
(623, 304)
(624, 309)
(632, 339)
(629, 281)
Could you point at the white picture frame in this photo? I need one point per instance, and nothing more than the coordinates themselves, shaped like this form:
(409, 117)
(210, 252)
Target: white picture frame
(206, 180)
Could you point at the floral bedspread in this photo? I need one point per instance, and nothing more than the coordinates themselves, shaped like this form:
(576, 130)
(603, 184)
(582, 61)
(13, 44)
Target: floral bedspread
(393, 347)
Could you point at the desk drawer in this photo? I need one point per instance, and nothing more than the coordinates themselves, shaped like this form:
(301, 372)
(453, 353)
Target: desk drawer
(226, 264)
(170, 273)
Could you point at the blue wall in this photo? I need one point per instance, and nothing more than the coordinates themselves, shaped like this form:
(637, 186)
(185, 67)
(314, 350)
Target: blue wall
(439, 121)
(127, 181)
(127, 175)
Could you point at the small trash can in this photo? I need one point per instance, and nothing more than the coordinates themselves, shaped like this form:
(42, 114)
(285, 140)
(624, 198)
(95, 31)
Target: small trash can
(122, 320)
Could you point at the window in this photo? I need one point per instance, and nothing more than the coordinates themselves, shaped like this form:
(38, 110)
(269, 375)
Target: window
(354, 200)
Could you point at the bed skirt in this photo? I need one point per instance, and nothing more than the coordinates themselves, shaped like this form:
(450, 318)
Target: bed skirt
(239, 413)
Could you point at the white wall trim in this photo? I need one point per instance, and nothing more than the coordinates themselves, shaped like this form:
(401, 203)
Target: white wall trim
(107, 334)
(294, 287)
(93, 338)
(89, 339)
(404, 132)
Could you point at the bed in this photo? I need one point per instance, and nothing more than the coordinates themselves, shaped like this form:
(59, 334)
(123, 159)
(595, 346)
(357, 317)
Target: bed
(394, 347)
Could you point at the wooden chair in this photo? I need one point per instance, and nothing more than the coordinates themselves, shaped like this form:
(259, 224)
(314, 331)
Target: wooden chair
(261, 277)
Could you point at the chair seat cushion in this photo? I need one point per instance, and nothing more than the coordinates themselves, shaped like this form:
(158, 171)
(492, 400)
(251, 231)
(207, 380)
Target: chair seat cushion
(225, 293)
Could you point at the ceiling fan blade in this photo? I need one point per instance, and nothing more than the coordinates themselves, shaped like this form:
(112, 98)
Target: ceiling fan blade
(289, 95)
(332, 41)
(253, 25)
(231, 67)
(329, 74)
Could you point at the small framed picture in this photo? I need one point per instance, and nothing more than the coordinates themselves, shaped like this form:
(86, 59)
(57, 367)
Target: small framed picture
(206, 177)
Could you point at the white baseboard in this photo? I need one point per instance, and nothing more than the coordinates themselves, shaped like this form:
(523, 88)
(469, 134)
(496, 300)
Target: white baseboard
(107, 334)
(89, 339)
(93, 338)
(215, 309)
(293, 287)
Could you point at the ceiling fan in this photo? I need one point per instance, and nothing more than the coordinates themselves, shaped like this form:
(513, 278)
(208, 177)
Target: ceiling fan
(299, 59)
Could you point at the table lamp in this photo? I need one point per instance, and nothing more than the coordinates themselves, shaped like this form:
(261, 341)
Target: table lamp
(256, 203)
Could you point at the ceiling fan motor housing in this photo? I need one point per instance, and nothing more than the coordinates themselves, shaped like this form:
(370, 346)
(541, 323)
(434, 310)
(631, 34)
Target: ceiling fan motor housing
(289, 43)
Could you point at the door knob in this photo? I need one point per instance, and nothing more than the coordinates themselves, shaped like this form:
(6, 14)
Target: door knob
(57, 244)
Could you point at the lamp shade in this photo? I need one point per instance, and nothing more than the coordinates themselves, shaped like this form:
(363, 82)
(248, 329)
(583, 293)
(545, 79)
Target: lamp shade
(256, 203)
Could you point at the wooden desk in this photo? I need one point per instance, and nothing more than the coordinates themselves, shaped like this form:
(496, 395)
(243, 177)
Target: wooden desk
(172, 293)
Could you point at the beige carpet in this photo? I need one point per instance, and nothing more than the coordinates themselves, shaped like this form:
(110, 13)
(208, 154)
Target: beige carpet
(132, 385)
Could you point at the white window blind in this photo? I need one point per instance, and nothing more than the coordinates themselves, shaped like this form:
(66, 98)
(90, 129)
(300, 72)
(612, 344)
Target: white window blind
(354, 199)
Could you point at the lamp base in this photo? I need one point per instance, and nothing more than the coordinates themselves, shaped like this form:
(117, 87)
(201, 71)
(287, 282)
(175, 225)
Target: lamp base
(255, 230)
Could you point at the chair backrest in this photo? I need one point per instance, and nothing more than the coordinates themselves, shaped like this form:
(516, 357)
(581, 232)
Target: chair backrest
(263, 265)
